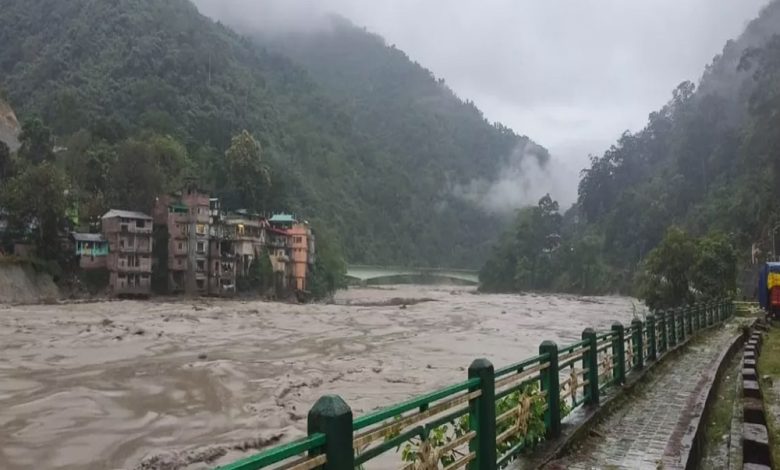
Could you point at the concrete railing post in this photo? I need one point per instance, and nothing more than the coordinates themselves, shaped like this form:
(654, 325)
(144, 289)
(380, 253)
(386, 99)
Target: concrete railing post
(331, 416)
(590, 362)
(551, 384)
(482, 416)
(672, 318)
(637, 338)
(619, 353)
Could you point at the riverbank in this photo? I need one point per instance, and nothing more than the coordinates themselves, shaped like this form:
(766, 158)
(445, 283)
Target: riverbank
(162, 385)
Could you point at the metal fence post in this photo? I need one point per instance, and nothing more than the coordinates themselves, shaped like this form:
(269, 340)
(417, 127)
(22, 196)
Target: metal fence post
(331, 416)
(696, 318)
(637, 329)
(681, 328)
(590, 361)
(689, 320)
(664, 333)
(482, 416)
(551, 384)
(651, 342)
(618, 350)
(673, 328)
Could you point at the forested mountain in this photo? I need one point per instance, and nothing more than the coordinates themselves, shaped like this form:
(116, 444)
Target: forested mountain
(707, 162)
(148, 90)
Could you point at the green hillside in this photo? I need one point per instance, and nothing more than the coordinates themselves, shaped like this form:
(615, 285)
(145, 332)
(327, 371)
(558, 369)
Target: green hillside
(368, 150)
(707, 162)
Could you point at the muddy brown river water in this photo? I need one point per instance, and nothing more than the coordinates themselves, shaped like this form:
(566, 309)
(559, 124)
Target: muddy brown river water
(186, 384)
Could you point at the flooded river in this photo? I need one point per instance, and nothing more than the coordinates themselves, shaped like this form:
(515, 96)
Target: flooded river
(158, 385)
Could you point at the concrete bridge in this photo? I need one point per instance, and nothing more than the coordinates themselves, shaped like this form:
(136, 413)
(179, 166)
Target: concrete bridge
(374, 273)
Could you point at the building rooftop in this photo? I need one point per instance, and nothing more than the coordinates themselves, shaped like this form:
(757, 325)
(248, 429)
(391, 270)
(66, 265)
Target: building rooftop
(88, 237)
(282, 219)
(113, 213)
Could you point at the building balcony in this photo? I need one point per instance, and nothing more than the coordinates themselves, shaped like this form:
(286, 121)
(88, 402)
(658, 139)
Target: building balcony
(126, 268)
(131, 228)
(135, 249)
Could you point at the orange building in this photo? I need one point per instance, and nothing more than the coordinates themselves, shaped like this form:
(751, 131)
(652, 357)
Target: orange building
(301, 253)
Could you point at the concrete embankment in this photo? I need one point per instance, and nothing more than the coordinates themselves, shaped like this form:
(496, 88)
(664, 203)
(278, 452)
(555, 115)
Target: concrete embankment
(22, 284)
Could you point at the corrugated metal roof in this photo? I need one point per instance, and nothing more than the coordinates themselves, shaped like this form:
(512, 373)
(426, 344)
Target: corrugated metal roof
(125, 215)
(88, 237)
(282, 218)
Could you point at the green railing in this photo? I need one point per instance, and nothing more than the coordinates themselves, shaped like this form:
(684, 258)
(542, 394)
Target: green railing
(486, 421)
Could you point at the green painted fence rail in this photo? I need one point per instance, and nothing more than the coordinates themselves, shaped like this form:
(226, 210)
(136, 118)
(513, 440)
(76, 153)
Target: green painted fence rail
(493, 416)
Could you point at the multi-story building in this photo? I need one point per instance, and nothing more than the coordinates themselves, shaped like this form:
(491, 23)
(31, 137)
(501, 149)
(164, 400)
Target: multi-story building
(194, 261)
(301, 253)
(91, 250)
(222, 259)
(279, 252)
(248, 238)
(129, 261)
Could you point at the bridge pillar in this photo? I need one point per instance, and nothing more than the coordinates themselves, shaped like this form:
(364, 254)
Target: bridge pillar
(331, 416)
(551, 384)
(482, 416)
(619, 353)
(590, 362)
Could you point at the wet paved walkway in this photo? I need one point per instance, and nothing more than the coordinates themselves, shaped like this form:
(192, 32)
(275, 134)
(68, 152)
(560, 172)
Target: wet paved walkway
(640, 433)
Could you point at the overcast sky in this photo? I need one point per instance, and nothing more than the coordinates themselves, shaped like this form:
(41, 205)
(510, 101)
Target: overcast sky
(570, 74)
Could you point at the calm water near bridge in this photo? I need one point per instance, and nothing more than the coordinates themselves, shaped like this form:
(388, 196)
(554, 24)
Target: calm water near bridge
(169, 385)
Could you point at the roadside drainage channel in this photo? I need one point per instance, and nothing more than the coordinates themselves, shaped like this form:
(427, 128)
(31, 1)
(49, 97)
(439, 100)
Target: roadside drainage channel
(756, 454)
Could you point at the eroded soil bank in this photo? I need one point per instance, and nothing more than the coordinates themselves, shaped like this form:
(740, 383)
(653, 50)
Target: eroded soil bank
(170, 385)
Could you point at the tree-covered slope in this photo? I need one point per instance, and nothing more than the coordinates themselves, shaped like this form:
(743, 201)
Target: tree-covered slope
(707, 162)
(374, 168)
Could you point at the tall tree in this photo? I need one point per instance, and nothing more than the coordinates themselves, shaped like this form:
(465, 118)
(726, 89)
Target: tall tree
(247, 172)
(37, 142)
(668, 269)
(36, 202)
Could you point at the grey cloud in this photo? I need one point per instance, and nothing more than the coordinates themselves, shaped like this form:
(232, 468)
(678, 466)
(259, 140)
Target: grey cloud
(571, 74)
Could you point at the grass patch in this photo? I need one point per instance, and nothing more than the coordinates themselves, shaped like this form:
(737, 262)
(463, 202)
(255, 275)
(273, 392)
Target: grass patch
(769, 364)
(719, 417)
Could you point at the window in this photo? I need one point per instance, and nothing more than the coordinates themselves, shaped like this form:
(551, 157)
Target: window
(140, 223)
(201, 283)
(121, 242)
(181, 246)
(201, 247)
(200, 229)
(201, 265)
